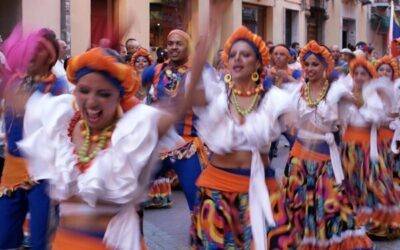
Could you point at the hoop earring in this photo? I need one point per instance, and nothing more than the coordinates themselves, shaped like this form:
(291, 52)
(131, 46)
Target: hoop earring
(75, 106)
(255, 77)
(227, 78)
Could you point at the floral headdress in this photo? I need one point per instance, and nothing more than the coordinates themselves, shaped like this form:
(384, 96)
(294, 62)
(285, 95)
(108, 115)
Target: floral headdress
(242, 33)
(360, 61)
(141, 52)
(321, 52)
(392, 62)
(104, 61)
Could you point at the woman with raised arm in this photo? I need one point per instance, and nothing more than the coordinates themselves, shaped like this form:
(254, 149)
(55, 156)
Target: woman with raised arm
(99, 144)
(320, 211)
(367, 168)
(239, 204)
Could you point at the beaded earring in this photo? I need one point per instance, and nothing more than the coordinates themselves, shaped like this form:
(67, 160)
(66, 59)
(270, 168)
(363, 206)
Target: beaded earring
(75, 106)
(227, 78)
(255, 77)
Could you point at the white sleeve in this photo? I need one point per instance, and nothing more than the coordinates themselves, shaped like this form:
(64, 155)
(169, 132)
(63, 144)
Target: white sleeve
(120, 174)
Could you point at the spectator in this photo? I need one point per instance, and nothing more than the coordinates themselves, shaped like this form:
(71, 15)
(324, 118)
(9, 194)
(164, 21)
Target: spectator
(296, 46)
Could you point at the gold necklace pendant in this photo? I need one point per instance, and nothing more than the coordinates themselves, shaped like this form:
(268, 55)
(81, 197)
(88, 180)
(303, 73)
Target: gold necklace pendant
(84, 156)
(244, 111)
(307, 95)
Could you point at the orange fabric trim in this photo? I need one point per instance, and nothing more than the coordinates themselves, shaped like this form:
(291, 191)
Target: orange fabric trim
(15, 171)
(218, 179)
(363, 135)
(69, 240)
(304, 153)
(221, 180)
(202, 151)
(385, 134)
(354, 134)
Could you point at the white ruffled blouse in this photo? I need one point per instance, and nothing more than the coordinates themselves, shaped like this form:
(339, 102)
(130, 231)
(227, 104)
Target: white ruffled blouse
(378, 103)
(222, 133)
(325, 118)
(118, 174)
(376, 107)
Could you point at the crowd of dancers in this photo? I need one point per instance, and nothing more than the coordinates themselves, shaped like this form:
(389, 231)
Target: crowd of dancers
(129, 122)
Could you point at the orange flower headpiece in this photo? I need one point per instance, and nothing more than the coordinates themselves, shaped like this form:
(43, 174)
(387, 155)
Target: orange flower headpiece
(320, 52)
(360, 61)
(141, 52)
(392, 62)
(242, 33)
(106, 63)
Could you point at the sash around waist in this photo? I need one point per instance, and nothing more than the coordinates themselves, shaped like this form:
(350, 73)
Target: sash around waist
(316, 152)
(228, 180)
(15, 171)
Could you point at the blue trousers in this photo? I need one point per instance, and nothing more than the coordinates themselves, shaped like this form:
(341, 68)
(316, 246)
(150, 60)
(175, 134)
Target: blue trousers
(43, 217)
(188, 170)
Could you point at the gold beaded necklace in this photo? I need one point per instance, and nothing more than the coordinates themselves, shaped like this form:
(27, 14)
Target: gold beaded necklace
(307, 94)
(244, 111)
(83, 154)
(359, 98)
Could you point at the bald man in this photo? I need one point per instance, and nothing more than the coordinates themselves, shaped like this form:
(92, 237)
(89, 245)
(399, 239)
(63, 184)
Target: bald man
(335, 50)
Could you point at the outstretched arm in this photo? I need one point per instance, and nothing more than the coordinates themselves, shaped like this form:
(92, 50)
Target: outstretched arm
(193, 94)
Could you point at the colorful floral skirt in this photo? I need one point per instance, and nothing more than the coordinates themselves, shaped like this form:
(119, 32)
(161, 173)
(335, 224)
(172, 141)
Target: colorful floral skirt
(392, 160)
(370, 185)
(221, 219)
(319, 209)
(159, 195)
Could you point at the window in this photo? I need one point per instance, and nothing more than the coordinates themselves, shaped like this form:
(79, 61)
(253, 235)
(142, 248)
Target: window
(165, 16)
(253, 17)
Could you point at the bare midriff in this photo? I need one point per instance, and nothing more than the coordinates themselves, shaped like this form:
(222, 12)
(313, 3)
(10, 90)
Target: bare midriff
(236, 159)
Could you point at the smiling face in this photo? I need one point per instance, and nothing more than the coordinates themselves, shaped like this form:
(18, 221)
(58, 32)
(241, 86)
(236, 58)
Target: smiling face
(98, 100)
(141, 63)
(385, 70)
(177, 48)
(360, 75)
(313, 68)
(242, 62)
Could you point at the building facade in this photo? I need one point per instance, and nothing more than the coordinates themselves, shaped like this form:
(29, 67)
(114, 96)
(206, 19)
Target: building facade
(83, 22)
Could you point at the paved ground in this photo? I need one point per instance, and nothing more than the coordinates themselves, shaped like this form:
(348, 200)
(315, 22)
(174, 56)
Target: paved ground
(169, 228)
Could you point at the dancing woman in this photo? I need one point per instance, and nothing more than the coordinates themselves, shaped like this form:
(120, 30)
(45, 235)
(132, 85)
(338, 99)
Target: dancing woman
(19, 193)
(239, 204)
(369, 177)
(320, 211)
(140, 60)
(99, 145)
(388, 67)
